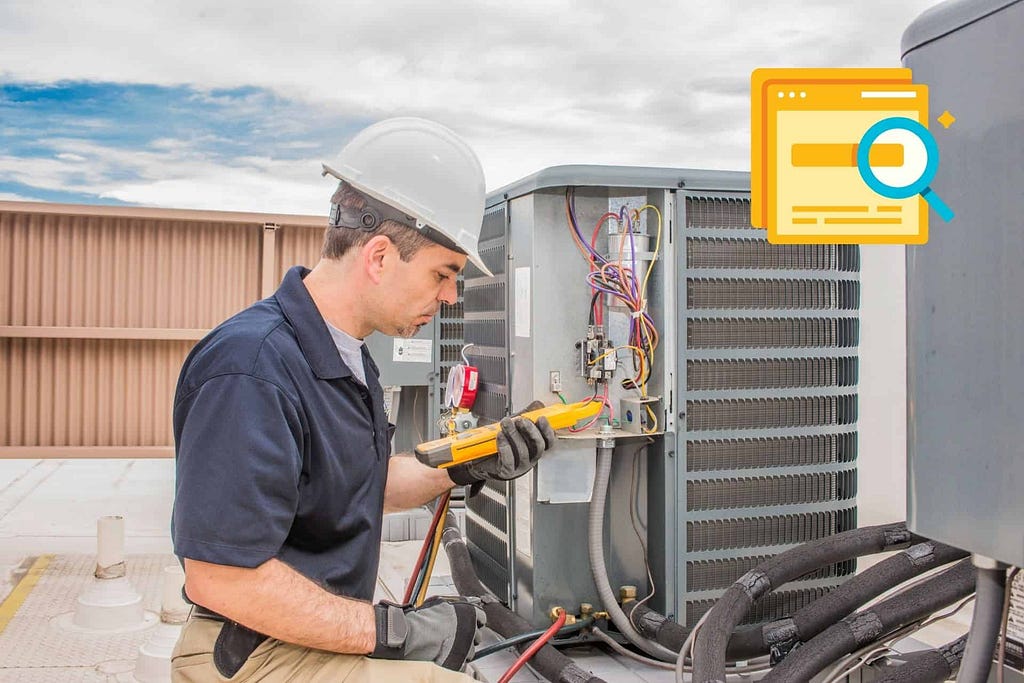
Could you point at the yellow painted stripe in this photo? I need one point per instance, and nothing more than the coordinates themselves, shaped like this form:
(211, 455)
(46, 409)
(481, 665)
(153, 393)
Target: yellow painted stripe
(13, 602)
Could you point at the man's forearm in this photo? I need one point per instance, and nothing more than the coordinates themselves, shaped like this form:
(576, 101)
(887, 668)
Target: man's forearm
(411, 483)
(277, 601)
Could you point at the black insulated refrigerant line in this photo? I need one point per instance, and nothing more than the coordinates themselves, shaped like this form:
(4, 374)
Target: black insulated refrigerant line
(548, 662)
(985, 625)
(871, 624)
(711, 643)
(927, 666)
(808, 622)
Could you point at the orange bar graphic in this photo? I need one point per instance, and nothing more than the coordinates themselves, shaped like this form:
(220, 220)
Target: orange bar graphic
(805, 221)
(890, 208)
(828, 208)
(821, 154)
(856, 221)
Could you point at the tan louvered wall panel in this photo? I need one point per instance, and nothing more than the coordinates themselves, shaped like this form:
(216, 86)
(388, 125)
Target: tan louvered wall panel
(90, 271)
(99, 306)
(89, 392)
(298, 245)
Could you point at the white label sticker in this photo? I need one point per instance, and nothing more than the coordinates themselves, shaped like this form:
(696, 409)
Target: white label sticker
(522, 320)
(413, 350)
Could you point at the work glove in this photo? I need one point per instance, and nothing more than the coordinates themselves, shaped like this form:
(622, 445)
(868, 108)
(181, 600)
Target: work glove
(520, 445)
(442, 630)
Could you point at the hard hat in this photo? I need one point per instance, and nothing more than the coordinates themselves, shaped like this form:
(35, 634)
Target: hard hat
(424, 170)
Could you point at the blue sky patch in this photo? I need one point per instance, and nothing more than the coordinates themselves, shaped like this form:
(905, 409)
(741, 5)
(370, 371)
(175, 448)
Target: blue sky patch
(95, 134)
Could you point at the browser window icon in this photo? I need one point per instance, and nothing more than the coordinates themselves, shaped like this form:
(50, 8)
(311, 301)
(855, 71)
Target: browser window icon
(813, 182)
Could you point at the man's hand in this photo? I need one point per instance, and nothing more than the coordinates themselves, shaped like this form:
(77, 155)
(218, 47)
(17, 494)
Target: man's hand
(520, 445)
(441, 630)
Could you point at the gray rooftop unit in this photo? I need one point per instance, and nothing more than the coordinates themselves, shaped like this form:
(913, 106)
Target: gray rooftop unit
(965, 328)
(757, 370)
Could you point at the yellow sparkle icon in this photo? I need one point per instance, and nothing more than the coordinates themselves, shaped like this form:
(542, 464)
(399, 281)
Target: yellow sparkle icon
(946, 119)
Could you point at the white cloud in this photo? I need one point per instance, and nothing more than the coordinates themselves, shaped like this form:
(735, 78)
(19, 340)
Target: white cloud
(12, 197)
(530, 84)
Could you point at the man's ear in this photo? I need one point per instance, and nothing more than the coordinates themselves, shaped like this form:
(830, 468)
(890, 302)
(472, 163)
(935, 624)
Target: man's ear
(374, 254)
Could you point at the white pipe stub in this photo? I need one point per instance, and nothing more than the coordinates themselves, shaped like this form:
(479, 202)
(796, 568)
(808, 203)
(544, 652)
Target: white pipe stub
(110, 602)
(110, 547)
(109, 605)
(154, 662)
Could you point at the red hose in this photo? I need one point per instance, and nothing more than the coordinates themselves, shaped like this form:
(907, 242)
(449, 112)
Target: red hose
(532, 650)
(427, 542)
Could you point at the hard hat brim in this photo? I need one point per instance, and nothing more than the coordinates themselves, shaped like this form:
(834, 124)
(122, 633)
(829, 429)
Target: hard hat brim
(471, 253)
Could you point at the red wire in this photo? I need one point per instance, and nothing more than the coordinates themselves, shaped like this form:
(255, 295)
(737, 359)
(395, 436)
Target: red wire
(599, 315)
(427, 543)
(532, 650)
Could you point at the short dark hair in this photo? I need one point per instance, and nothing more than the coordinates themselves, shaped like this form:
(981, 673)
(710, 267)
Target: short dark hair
(338, 240)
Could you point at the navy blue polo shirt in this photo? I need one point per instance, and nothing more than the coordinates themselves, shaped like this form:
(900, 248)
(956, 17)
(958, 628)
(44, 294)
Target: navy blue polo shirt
(280, 452)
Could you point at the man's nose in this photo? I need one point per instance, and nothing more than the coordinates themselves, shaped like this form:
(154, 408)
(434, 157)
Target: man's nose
(449, 293)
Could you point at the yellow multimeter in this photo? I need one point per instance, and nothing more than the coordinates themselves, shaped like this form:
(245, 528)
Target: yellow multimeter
(481, 442)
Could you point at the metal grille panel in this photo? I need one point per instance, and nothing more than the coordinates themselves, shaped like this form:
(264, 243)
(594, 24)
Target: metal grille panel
(720, 574)
(486, 297)
(491, 574)
(771, 373)
(793, 451)
(773, 294)
(750, 253)
(450, 341)
(715, 333)
(492, 368)
(707, 212)
(485, 332)
(810, 411)
(491, 511)
(741, 284)
(723, 534)
(790, 489)
(486, 303)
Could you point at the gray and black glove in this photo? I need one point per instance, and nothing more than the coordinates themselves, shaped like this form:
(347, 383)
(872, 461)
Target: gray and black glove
(442, 630)
(520, 445)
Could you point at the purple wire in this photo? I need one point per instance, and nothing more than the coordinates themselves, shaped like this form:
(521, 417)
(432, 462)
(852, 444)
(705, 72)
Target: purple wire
(575, 226)
(632, 256)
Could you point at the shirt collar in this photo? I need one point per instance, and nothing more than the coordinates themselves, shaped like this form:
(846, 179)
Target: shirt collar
(310, 329)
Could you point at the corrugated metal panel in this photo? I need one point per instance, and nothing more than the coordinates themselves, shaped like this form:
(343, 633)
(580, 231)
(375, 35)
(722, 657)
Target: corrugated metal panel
(298, 246)
(90, 271)
(98, 310)
(88, 392)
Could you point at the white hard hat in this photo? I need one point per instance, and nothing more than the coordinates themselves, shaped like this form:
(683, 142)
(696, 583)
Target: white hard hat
(422, 169)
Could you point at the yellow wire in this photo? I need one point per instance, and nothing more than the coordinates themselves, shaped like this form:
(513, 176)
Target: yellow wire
(654, 420)
(657, 248)
(434, 548)
(613, 350)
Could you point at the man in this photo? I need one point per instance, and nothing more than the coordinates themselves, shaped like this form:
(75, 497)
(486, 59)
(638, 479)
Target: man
(282, 443)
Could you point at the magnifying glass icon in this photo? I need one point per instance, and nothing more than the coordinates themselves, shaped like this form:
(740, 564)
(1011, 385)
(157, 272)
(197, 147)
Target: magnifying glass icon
(892, 183)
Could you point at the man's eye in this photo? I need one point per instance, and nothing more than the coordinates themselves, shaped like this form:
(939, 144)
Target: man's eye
(441, 277)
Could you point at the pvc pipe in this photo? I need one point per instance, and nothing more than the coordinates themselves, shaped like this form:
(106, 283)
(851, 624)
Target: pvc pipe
(173, 608)
(110, 547)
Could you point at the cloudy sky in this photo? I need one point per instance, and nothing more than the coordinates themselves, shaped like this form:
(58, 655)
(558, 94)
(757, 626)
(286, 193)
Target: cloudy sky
(203, 105)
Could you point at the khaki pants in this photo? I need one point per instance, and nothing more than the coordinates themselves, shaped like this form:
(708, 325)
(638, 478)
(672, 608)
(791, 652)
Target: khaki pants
(276, 662)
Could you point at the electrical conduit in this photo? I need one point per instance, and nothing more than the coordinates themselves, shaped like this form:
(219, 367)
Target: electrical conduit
(595, 533)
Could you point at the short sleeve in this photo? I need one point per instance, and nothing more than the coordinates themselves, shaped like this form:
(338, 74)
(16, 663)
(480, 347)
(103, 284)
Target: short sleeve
(391, 436)
(239, 462)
